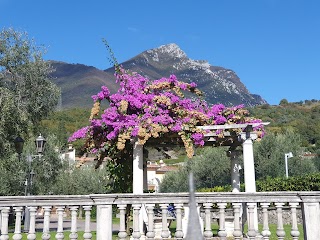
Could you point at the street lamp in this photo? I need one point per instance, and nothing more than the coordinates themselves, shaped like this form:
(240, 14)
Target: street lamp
(286, 156)
(40, 142)
(18, 144)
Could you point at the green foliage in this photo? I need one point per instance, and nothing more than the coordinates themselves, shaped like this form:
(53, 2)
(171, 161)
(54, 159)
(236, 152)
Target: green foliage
(210, 167)
(15, 171)
(310, 182)
(64, 123)
(226, 188)
(24, 77)
(269, 156)
(301, 117)
(26, 93)
(82, 181)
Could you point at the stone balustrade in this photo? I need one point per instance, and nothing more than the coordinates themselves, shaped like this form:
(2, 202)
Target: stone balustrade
(142, 210)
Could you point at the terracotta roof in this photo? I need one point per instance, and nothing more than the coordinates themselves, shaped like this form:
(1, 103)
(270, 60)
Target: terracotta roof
(167, 168)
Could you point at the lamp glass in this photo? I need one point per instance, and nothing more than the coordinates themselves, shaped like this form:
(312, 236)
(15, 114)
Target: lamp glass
(40, 143)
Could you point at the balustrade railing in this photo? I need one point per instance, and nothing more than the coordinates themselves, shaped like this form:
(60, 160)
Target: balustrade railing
(228, 208)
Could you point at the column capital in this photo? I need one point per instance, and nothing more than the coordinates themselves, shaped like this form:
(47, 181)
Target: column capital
(248, 135)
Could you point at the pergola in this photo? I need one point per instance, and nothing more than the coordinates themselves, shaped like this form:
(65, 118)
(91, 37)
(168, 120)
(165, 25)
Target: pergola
(244, 138)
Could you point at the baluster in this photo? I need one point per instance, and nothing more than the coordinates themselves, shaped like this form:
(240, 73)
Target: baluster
(165, 233)
(207, 230)
(32, 227)
(251, 229)
(73, 231)
(237, 233)
(136, 221)
(60, 211)
(122, 229)
(150, 233)
(222, 228)
(17, 228)
(265, 232)
(179, 232)
(4, 223)
(294, 231)
(46, 223)
(280, 231)
(87, 230)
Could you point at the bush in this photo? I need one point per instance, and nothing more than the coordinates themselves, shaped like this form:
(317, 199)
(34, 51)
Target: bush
(310, 182)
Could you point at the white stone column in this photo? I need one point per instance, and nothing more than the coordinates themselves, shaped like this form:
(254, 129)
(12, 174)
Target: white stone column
(137, 168)
(104, 222)
(17, 230)
(46, 223)
(248, 165)
(73, 231)
(60, 211)
(235, 170)
(248, 161)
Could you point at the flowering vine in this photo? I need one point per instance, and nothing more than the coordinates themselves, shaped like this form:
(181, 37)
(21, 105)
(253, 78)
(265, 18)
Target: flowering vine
(143, 109)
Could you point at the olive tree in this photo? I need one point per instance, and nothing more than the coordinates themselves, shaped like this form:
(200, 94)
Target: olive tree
(269, 155)
(210, 167)
(26, 93)
(26, 96)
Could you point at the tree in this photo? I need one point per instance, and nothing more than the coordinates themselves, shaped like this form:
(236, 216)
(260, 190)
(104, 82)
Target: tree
(210, 167)
(81, 181)
(26, 96)
(26, 92)
(283, 102)
(269, 156)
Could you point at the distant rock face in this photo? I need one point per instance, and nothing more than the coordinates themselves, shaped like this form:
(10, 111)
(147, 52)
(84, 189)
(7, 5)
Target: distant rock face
(219, 85)
(79, 82)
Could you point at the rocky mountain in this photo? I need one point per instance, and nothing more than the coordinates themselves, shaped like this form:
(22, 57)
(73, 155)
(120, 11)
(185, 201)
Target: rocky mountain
(78, 82)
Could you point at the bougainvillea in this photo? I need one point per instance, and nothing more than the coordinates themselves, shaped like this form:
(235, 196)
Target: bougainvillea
(143, 109)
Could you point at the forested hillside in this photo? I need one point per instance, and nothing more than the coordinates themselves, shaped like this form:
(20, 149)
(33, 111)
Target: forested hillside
(303, 117)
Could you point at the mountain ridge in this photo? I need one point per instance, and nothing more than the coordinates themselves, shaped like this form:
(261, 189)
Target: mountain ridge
(79, 82)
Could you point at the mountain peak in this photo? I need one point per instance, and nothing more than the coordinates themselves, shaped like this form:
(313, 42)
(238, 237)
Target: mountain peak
(171, 49)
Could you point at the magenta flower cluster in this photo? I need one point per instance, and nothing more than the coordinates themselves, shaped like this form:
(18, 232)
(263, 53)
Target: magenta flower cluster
(144, 109)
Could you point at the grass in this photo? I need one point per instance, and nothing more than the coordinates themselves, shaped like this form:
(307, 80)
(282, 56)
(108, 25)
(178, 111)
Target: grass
(172, 228)
(53, 234)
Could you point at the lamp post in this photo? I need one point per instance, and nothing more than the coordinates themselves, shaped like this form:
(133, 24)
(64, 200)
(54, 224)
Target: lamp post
(286, 156)
(40, 143)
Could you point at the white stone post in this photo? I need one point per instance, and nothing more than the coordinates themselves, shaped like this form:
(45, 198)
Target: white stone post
(104, 222)
(137, 168)
(248, 165)
(17, 230)
(235, 170)
(60, 234)
(46, 223)
(87, 231)
(248, 161)
(73, 231)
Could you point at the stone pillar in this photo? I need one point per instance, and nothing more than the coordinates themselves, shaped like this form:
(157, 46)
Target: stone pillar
(73, 231)
(17, 230)
(104, 222)
(235, 169)
(60, 211)
(145, 174)
(46, 223)
(248, 161)
(87, 230)
(137, 168)
(248, 165)
(311, 215)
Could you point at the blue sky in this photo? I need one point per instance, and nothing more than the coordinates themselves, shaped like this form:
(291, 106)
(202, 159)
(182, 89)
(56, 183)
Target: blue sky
(272, 45)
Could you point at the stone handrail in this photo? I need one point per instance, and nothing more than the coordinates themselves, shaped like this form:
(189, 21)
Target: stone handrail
(142, 211)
